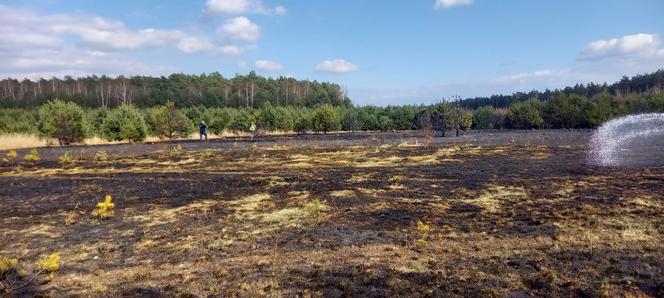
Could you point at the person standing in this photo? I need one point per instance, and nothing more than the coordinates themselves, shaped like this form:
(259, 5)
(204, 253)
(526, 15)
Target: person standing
(202, 129)
(252, 129)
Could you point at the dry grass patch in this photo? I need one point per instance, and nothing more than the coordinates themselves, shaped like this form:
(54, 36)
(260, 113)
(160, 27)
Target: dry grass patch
(40, 231)
(371, 191)
(346, 193)
(257, 215)
(252, 204)
(541, 152)
(162, 216)
(276, 181)
(298, 194)
(359, 178)
(379, 162)
(493, 198)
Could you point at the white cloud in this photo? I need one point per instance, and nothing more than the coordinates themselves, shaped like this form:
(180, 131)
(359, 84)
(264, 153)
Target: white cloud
(268, 65)
(235, 7)
(191, 45)
(442, 4)
(96, 53)
(28, 28)
(76, 44)
(336, 66)
(280, 10)
(635, 46)
(241, 28)
(230, 50)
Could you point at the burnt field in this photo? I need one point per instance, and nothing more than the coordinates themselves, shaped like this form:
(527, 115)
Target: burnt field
(504, 213)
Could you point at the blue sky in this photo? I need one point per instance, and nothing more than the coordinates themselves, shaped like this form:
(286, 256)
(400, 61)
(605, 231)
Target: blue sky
(382, 52)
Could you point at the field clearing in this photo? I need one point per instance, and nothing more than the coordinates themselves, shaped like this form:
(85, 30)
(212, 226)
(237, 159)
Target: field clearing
(499, 214)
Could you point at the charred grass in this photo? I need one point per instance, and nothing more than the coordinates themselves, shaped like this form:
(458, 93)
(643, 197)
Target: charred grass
(335, 221)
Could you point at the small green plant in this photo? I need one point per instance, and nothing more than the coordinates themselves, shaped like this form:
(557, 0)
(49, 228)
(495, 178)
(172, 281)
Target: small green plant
(11, 155)
(104, 209)
(71, 216)
(32, 156)
(66, 160)
(423, 230)
(314, 209)
(101, 155)
(14, 276)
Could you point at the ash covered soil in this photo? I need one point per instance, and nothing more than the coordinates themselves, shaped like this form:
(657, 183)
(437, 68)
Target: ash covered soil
(502, 213)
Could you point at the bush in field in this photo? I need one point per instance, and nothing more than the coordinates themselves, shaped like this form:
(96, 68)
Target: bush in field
(63, 121)
(278, 118)
(66, 160)
(32, 156)
(96, 119)
(283, 119)
(525, 115)
(565, 111)
(19, 121)
(324, 119)
(486, 117)
(124, 123)
(218, 120)
(196, 114)
(402, 116)
(101, 155)
(441, 117)
(464, 120)
(11, 155)
(348, 118)
(242, 120)
(450, 116)
(302, 122)
(170, 123)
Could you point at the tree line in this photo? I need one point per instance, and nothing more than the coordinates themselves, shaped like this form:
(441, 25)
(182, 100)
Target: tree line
(626, 86)
(210, 90)
(127, 122)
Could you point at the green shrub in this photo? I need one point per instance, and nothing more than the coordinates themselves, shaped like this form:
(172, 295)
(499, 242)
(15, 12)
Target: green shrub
(124, 123)
(32, 156)
(324, 119)
(101, 155)
(242, 120)
(218, 120)
(302, 122)
(96, 119)
(486, 117)
(276, 118)
(11, 155)
(525, 115)
(63, 121)
(66, 160)
(170, 123)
